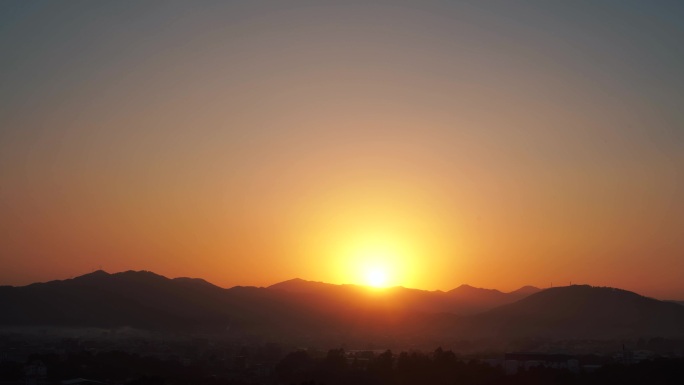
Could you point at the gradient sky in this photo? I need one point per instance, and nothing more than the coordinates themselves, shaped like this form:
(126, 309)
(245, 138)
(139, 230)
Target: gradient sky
(494, 143)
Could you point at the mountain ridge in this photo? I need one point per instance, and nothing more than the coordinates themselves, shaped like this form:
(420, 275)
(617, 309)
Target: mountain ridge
(279, 285)
(317, 311)
(295, 283)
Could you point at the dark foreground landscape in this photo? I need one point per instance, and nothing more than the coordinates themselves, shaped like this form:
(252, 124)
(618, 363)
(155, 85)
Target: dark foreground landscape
(143, 328)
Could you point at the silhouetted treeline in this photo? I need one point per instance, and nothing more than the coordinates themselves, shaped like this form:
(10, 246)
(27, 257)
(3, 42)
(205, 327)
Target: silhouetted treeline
(441, 367)
(444, 367)
(337, 367)
(117, 367)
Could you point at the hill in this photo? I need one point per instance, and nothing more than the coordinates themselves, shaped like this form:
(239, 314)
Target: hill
(581, 311)
(464, 300)
(134, 298)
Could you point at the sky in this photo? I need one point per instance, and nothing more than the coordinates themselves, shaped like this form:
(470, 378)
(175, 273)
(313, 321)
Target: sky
(433, 143)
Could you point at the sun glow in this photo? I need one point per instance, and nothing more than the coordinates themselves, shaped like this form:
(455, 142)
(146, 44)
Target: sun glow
(379, 266)
(376, 277)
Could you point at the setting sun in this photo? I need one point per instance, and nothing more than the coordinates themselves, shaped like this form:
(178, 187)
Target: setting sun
(376, 277)
(376, 261)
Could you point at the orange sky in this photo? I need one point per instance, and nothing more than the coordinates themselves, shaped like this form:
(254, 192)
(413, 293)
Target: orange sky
(250, 144)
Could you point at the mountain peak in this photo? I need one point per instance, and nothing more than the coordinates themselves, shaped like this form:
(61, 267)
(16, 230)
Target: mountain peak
(140, 274)
(300, 285)
(294, 280)
(102, 277)
(526, 290)
(94, 276)
(96, 273)
(467, 289)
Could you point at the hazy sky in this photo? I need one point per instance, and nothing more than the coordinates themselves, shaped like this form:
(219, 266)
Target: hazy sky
(495, 143)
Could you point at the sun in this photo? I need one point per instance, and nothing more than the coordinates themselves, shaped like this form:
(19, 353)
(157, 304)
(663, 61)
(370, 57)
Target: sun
(375, 262)
(376, 277)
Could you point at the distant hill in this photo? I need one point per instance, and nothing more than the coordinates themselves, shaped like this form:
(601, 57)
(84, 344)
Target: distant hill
(478, 299)
(581, 311)
(299, 285)
(303, 312)
(463, 300)
(134, 298)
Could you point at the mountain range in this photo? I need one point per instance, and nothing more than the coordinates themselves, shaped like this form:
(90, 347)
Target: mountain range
(305, 312)
(462, 300)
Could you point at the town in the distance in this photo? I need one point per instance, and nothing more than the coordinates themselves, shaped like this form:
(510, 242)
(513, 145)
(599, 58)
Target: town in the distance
(138, 327)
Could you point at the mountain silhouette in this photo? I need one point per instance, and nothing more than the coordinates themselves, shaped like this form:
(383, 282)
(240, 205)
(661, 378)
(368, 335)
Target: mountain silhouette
(301, 311)
(463, 300)
(581, 311)
(133, 298)
(144, 300)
